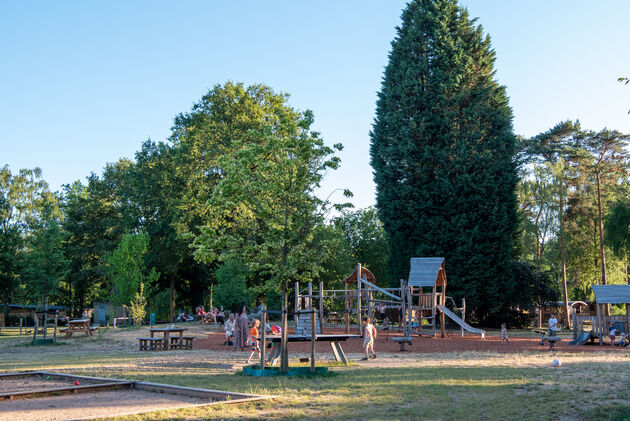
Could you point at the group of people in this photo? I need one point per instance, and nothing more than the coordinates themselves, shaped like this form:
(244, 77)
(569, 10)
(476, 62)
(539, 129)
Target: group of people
(216, 315)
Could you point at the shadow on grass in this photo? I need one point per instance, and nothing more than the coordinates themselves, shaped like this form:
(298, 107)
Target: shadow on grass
(435, 392)
(611, 413)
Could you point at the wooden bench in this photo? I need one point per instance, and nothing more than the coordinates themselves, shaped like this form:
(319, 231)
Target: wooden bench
(188, 342)
(153, 344)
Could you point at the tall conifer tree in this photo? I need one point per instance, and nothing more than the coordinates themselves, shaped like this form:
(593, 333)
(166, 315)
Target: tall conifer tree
(442, 151)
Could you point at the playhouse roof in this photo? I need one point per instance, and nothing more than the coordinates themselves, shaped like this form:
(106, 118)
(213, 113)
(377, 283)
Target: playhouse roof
(365, 274)
(427, 272)
(612, 294)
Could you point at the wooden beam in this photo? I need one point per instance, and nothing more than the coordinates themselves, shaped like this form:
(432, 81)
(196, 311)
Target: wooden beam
(379, 289)
(359, 298)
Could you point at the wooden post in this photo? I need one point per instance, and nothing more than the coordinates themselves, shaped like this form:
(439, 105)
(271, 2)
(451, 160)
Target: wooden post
(434, 308)
(263, 337)
(55, 329)
(463, 314)
(45, 322)
(442, 317)
(21, 320)
(36, 322)
(310, 296)
(540, 317)
(321, 306)
(348, 305)
(403, 309)
(296, 316)
(369, 306)
(599, 324)
(410, 310)
(359, 298)
(313, 339)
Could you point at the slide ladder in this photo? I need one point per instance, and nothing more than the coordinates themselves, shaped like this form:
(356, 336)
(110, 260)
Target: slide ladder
(462, 323)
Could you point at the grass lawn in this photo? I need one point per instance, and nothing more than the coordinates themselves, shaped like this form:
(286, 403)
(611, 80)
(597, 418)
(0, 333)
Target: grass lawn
(455, 386)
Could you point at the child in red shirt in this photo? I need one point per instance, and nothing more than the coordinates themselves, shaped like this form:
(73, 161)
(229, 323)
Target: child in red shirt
(253, 339)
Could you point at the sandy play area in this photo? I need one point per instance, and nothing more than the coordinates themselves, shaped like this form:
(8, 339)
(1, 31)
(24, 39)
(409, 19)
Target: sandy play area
(91, 405)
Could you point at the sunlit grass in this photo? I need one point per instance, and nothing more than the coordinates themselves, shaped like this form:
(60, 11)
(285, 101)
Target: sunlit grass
(430, 386)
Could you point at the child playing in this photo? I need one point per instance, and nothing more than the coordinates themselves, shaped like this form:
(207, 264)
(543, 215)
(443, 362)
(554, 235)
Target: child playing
(553, 325)
(369, 334)
(612, 333)
(253, 339)
(504, 335)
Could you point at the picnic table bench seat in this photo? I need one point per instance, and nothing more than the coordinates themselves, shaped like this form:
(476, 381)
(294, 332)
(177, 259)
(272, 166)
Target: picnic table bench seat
(186, 342)
(153, 344)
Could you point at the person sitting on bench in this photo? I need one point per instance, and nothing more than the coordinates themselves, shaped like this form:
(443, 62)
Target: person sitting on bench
(230, 327)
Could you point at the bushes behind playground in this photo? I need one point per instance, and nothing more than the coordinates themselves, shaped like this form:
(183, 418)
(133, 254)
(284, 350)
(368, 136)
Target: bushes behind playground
(531, 287)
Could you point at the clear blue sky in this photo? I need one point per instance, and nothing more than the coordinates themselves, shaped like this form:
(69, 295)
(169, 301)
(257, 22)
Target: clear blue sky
(85, 83)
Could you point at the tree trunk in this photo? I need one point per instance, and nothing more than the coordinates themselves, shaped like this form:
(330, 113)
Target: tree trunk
(172, 300)
(81, 305)
(563, 257)
(284, 349)
(602, 252)
(538, 240)
(5, 299)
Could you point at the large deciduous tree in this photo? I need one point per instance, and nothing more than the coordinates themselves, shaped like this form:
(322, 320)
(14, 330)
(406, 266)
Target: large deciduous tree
(22, 196)
(128, 274)
(46, 265)
(443, 154)
(264, 206)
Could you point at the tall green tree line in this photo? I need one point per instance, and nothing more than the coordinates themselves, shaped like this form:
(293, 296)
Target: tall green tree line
(443, 154)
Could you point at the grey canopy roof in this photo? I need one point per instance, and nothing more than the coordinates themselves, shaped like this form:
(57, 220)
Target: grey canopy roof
(424, 271)
(612, 294)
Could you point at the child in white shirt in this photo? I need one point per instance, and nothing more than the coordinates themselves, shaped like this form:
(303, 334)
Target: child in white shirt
(369, 335)
(553, 325)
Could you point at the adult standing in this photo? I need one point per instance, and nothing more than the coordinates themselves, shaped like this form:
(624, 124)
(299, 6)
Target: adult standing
(242, 329)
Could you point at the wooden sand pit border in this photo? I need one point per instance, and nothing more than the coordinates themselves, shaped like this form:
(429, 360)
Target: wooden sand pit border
(100, 384)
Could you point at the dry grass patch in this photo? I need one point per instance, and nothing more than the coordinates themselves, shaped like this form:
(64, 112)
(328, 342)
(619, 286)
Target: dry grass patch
(449, 386)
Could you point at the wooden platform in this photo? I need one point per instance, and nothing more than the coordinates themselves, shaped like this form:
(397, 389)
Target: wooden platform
(334, 340)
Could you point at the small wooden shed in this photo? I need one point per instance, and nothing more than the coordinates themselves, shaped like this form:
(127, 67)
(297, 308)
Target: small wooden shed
(427, 289)
(611, 294)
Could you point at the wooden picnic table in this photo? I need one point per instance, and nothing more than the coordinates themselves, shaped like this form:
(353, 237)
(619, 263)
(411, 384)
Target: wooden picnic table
(167, 335)
(334, 340)
(77, 326)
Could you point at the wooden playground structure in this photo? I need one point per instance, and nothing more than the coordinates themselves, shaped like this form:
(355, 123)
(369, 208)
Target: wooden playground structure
(420, 301)
(601, 322)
